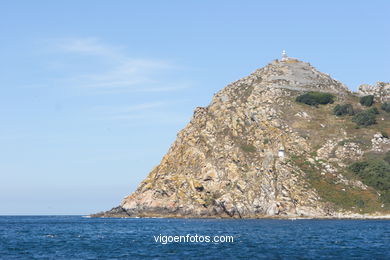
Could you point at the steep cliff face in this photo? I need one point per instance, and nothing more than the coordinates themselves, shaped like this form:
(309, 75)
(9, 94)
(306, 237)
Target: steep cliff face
(255, 152)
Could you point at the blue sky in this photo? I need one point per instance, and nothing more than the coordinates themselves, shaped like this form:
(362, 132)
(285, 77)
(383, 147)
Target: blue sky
(94, 92)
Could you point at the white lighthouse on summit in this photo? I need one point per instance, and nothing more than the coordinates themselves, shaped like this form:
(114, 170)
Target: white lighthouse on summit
(284, 56)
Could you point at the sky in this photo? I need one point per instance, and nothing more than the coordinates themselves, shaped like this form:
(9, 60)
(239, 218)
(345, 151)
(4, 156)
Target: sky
(93, 93)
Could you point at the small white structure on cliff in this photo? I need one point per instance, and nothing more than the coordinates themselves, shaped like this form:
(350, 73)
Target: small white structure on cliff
(281, 152)
(284, 56)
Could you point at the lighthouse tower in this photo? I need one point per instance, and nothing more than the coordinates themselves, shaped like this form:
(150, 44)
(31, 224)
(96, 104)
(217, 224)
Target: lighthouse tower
(284, 55)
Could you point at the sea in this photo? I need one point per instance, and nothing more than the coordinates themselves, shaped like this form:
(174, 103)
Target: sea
(78, 237)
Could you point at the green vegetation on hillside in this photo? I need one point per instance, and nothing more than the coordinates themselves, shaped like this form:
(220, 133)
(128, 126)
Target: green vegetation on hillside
(364, 118)
(373, 110)
(315, 98)
(386, 158)
(248, 148)
(331, 190)
(371, 117)
(367, 100)
(375, 173)
(345, 109)
(386, 107)
(361, 118)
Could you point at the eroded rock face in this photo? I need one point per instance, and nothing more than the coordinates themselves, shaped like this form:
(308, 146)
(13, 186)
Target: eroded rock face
(380, 143)
(381, 91)
(234, 158)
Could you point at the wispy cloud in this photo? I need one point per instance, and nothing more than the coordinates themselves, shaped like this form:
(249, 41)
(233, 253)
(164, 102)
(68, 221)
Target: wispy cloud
(155, 118)
(122, 73)
(130, 108)
(106, 73)
(150, 111)
(87, 46)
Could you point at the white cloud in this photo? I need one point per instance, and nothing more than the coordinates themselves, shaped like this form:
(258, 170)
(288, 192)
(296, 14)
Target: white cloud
(122, 73)
(90, 67)
(155, 118)
(87, 46)
(126, 74)
(130, 108)
(149, 111)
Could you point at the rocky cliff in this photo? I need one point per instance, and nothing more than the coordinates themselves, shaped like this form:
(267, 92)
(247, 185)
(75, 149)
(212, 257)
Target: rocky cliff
(381, 91)
(255, 152)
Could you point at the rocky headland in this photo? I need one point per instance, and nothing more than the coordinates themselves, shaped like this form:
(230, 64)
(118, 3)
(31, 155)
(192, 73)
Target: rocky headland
(255, 152)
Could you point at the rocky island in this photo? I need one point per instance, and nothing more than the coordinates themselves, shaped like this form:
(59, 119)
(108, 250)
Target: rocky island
(286, 141)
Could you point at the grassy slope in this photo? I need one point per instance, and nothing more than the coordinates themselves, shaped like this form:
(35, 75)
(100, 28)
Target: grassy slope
(322, 126)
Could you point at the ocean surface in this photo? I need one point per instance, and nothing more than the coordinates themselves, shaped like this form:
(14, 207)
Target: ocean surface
(76, 237)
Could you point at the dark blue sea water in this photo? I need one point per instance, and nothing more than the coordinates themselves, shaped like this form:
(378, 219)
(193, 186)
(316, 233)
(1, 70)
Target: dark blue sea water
(75, 237)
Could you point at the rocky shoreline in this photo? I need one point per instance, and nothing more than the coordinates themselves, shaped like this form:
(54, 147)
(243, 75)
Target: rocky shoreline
(119, 212)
